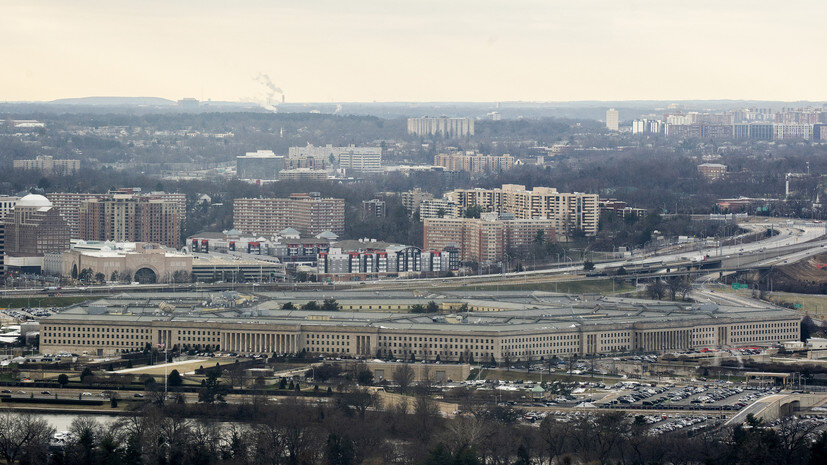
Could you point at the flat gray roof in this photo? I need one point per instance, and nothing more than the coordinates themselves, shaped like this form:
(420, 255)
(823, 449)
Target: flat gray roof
(520, 311)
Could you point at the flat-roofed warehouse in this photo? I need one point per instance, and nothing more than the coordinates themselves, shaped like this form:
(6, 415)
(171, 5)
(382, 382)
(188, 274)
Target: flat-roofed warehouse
(502, 325)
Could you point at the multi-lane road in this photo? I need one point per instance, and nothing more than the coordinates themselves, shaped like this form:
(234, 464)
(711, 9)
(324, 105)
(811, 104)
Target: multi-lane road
(794, 241)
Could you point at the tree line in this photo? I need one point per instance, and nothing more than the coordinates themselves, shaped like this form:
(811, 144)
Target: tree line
(354, 428)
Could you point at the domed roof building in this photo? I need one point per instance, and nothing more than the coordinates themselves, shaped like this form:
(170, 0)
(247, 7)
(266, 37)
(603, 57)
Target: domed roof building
(33, 228)
(33, 201)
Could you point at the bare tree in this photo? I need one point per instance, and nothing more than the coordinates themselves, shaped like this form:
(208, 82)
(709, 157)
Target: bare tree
(24, 438)
(556, 436)
(655, 289)
(358, 400)
(403, 376)
(678, 285)
(468, 432)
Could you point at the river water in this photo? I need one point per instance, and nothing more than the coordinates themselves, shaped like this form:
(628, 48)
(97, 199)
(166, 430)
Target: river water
(62, 421)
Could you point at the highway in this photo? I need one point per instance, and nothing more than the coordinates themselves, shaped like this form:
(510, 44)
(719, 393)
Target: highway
(801, 239)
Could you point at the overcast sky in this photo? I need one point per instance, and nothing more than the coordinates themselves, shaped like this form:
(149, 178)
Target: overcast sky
(418, 50)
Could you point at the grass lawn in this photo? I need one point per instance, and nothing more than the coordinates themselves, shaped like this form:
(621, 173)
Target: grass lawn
(813, 304)
(182, 368)
(45, 301)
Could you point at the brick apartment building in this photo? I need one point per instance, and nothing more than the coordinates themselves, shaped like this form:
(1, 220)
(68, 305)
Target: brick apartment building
(130, 218)
(474, 163)
(307, 213)
(69, 203)
(484, 240)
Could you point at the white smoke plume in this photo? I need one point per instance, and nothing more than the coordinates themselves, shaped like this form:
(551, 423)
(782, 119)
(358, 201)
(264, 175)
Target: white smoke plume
(272, 94)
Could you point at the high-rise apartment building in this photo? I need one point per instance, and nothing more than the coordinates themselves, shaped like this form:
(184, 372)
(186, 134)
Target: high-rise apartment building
(486, 239)
(361, 159)
(130, 218)
(7, 205)
(33, 229)
(411, 199)
(570, 212)
(441, 126)
(69, 204)
(612, 119)
(6, 208)
(307, 213)
(474, 163)
(46, 164)
(376, 208)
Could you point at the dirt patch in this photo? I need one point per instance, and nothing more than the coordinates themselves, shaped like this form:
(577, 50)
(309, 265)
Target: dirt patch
(813, 270)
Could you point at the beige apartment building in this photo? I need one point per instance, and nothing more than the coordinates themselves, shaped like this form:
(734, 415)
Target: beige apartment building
(570, 212)
(441, 126)
(504, 326)
(483, 240)
(439, 208)
(412, 198)
(46, 164)
(303, 174)
(308, 214)
(474, 163)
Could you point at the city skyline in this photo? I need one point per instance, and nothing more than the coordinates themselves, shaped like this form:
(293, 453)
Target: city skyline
(374, 51)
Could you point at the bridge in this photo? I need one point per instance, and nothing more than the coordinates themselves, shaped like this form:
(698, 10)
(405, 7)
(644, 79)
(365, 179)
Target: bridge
(777, 406)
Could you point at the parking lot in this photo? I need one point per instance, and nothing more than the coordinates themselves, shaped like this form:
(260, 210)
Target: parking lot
(657, 424)
(690, 397)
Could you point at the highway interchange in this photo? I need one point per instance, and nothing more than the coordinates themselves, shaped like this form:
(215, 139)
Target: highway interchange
(794, 241)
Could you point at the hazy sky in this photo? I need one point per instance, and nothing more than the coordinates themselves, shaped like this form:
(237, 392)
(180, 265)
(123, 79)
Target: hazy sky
(418, 50)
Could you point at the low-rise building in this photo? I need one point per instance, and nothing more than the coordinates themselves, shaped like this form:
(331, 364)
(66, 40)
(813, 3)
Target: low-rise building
(351, 158)
(712, 171)
(141, 262)
(503, 327)
(289, 247)
(303, 174)
(620, 208)
(259, 165)
(237, 267)
(360, 260)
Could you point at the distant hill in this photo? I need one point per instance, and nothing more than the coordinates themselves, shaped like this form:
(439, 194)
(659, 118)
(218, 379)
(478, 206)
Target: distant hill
(114, 101)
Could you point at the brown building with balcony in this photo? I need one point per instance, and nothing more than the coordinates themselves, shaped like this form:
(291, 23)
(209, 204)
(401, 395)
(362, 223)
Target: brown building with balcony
(307, 213)
(130, 218)
(484, 240)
